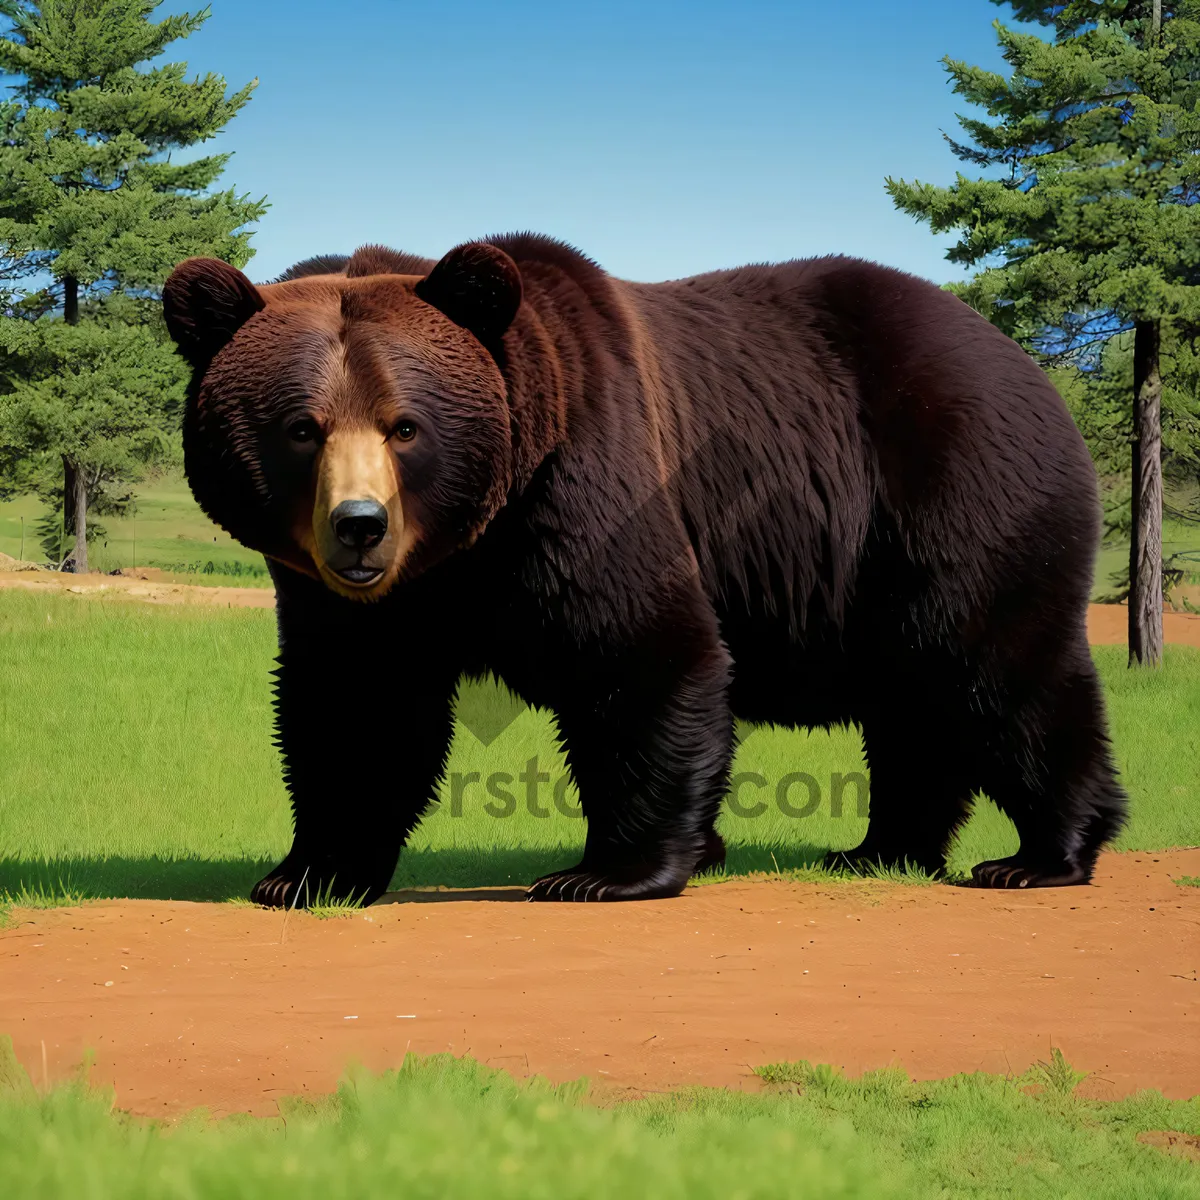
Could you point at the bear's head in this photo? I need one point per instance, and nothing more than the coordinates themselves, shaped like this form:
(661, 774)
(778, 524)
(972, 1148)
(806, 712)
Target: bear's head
(354, 427)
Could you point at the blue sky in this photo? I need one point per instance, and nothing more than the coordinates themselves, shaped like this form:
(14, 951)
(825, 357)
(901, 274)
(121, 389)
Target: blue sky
(663, 139)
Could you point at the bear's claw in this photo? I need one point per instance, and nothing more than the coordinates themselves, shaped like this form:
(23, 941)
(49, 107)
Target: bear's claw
(579, 886)
(275, 891)
(1010, 873)
(568, 886)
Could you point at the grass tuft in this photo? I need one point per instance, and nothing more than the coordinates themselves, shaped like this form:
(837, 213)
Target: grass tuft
(39, 894)
(906, 872)
(802, 1076)
(325, 905)
(1057, 1074)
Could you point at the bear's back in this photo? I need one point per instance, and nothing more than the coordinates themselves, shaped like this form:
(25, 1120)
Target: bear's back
(861, 360)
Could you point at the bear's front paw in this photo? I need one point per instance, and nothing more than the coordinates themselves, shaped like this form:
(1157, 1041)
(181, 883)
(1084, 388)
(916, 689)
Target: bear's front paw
(279, 890)
(579, 884)
(297, 884)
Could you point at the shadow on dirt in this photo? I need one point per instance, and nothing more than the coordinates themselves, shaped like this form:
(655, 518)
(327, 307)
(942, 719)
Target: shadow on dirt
(507, 895)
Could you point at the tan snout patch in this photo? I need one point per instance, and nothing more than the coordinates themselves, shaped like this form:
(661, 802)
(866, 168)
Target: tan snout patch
(356, 465)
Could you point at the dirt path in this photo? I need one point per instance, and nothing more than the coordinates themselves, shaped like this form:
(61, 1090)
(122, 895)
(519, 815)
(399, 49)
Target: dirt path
(1107, 626)
(153, 591)
(188, 1004)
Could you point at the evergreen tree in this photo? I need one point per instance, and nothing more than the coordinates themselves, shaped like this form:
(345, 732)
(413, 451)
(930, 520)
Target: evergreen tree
(1085, 222)
(94, 211)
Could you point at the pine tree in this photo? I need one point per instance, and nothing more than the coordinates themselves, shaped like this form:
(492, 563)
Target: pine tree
(1085, 222)
(93, 209)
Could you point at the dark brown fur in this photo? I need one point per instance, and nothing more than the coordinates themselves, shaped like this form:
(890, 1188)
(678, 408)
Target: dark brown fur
(811, 493)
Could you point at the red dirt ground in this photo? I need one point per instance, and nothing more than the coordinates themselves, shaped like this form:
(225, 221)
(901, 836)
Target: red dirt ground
(230, 1006)
(1107, 626)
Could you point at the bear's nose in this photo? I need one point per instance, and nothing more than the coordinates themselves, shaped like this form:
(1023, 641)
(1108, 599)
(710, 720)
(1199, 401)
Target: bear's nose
(359, 524)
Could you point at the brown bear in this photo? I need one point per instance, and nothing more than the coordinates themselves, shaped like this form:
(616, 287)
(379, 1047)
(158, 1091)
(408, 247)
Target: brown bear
(809, 494)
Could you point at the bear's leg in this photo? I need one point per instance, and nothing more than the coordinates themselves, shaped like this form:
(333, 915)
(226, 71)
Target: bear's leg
(1056, 780)
(713, 858)
(920, 795)
(651, 757)
(361, 765)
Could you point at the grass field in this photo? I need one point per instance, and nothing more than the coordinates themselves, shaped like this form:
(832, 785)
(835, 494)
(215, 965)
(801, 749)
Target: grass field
(168, 531)
(442, 1126)
(136, 760)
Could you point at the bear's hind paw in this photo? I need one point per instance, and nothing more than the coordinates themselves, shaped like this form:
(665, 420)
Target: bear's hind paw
(1011, 873)
(579, 885)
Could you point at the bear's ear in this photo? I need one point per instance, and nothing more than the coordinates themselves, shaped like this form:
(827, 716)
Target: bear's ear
(478, 287)
(205, 302)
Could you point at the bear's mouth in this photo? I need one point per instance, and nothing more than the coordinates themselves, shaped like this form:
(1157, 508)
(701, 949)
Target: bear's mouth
(360, 575)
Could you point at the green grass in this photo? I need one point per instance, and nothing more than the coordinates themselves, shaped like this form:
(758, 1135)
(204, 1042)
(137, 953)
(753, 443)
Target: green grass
(1178, 536)
(445, 1127)
(1188, 880)
(38, 894)
(136, 760)
(324, 905)
(1054, 1074)
(168, 531)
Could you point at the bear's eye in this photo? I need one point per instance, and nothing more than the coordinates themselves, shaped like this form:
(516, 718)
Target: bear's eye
(405, 431)
(304, 431)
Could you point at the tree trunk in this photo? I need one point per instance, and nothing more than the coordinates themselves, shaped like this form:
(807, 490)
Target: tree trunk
(79, 555)
(70, 300)
(68, 500)
(1145, 546)
(73, 513)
